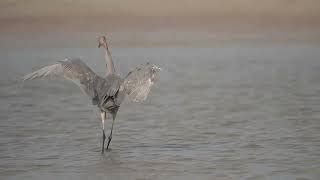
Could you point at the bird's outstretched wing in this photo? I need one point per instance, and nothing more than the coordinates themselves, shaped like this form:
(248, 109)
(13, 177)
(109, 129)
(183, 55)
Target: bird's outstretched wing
(137, 83)
(73, 69)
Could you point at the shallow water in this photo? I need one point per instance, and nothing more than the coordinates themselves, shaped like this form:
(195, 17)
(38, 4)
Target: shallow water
(227, 112)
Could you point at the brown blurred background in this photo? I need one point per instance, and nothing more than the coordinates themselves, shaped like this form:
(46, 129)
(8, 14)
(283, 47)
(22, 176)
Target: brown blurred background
(165, 22)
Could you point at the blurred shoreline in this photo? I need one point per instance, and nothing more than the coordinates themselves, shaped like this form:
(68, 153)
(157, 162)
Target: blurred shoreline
(156, 31)
(232, 23)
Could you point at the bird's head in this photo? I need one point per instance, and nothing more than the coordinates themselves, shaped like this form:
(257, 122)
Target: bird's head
(102, 42)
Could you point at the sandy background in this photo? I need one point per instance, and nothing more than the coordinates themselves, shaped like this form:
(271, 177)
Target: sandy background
(153, 23)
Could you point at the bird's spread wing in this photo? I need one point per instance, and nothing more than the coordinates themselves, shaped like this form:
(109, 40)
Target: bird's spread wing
(73, 69)
(138, 82)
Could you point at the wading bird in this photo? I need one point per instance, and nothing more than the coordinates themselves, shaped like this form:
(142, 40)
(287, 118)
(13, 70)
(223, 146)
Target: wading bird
(106, 93)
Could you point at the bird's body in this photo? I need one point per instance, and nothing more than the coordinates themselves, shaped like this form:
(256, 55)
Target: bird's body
(106, 93)
(107, 97)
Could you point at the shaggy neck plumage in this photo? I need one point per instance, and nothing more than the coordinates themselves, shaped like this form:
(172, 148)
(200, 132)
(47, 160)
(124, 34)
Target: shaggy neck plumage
(109, 62)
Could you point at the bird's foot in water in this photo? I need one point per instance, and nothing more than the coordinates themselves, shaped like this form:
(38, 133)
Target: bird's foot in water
(109, 140)
(108, 149)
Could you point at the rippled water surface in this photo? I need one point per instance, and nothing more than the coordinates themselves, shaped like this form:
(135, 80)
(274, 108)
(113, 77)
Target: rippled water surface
(227, 112)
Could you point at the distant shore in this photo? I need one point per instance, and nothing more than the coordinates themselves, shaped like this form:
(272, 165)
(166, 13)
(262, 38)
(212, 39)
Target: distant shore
(159, 31)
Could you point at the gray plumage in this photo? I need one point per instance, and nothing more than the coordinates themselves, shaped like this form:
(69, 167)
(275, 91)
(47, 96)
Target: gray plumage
(107, 93)
(136, 84)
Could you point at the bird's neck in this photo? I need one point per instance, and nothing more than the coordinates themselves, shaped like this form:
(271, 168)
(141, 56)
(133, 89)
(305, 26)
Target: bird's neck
(109, 62)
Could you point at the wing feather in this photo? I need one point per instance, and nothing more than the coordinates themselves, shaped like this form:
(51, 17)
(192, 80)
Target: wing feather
(50, 70)
(138, 82)
(73, 69)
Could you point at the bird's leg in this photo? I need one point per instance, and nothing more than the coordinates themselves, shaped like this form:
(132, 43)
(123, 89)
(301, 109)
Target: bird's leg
(103, 118)
(110, 136)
